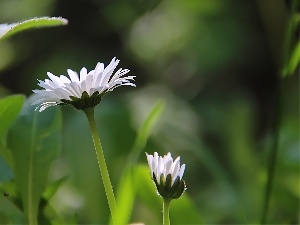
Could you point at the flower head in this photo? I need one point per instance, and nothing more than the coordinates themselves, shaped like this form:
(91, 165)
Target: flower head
(83, 91)
(167, 175)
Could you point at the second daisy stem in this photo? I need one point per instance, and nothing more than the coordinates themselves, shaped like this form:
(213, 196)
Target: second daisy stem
(166, 211)
(89, 112)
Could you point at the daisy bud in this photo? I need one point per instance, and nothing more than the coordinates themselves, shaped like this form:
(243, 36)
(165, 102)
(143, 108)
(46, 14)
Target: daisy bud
(167, 175)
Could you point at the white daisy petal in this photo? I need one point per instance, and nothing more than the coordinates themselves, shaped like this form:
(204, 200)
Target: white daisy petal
(109, 70)
(119, 74)
(44, 85)
(64, 79)
(76, 88)
(83, 74)
(89, 84)
(99, 68)
(73, 75)
(55, 79)
(182, 168)
(73, 90)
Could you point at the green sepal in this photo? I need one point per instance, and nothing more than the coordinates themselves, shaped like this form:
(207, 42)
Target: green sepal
(166, 190)
(180, 190)
(74, 98)
(167, 187)
(162, 180)
(158, 186)
(175, 185)
(85, 101)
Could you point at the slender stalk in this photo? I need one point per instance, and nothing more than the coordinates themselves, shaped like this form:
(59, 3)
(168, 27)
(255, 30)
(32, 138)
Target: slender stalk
(89, 112)
(166, 211)
(278, 114)
(273, 155)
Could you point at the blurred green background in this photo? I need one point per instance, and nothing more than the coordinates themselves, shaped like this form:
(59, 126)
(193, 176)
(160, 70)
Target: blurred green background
(215, 63)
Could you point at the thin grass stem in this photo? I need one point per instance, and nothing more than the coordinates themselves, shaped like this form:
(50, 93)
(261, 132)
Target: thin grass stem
(278, 114)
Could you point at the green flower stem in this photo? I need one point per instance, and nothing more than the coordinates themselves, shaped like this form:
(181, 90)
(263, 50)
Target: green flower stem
(89, 112)
(166, 211)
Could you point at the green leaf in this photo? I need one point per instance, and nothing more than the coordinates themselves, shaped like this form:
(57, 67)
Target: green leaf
(10, 108)
(34, 141)
(7, 30)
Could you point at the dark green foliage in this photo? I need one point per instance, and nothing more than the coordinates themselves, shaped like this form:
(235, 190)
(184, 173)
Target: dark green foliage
(216, 64)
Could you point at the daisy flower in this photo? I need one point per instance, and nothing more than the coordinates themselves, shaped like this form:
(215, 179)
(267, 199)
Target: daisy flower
(82, 91)
(167, 175)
